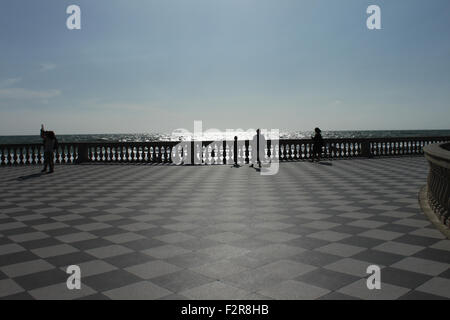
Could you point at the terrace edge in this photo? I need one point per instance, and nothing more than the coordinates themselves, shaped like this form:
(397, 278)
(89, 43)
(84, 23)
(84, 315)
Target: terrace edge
(438, 182)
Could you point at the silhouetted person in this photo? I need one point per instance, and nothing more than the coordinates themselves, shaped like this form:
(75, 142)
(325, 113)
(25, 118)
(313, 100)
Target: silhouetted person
(317, 144)
(50, 144)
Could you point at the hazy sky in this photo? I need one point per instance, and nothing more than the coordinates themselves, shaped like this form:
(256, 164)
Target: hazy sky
(158, 65)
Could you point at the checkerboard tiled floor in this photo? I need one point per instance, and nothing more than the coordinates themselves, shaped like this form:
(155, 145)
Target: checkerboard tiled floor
(168, 232)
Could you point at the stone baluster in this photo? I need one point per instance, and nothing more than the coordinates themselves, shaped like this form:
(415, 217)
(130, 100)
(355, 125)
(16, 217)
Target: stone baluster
(96, 153)
(8, 156)
(149, 153)
(116, 151)
(153, 153)
(100, 153)
(131, 153)
(169, 154)
(158, 154)
(90, 153)
(163, 154)
(144, 156)
(247, 151)
(138, 153)
(33, 155)
(224, 152)
(14, 151)
(122, 153)
(126, 152)
(57, 156)
(39, 152)
(21, 157)
(69, 153)
(2, 156)
(106, 153)
(63, 154)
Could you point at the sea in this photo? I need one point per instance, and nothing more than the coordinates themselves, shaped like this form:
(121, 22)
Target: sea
(209, 136)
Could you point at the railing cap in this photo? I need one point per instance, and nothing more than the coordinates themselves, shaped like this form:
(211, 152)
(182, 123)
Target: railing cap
(437, 154)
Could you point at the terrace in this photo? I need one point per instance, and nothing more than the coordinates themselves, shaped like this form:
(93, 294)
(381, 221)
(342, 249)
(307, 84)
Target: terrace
(144, 230)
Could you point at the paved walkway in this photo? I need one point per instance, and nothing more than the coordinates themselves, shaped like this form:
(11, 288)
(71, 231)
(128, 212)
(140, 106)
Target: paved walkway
(217, 232)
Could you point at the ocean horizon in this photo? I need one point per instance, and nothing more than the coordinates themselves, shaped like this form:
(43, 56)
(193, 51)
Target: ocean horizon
(150, 137)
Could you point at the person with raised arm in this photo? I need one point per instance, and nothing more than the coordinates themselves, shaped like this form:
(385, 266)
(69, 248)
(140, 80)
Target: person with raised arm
(50, 144)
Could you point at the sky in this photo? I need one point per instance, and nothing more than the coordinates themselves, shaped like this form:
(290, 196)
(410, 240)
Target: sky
(146, 66)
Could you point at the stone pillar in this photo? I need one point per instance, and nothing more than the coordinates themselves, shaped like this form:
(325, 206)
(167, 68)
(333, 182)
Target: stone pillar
(235, 151)
(365, 149)
(193, 151)
(83, 154)
(258, 160)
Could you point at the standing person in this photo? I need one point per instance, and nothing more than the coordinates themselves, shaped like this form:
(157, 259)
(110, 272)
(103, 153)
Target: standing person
(50, 144)
(318, 144)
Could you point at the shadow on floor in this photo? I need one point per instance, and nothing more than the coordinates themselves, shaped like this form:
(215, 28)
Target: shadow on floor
(30, 176)
(325, 163)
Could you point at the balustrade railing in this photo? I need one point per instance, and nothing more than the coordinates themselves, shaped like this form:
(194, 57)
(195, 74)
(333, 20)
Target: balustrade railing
(214, 152)
(20, 154)
(127, 152)
(438, 182)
